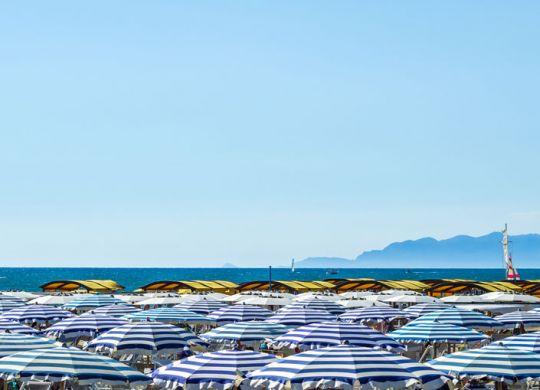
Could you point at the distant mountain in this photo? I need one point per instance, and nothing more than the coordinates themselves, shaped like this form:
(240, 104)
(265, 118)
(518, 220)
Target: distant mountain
(456, 252)
(228, 265)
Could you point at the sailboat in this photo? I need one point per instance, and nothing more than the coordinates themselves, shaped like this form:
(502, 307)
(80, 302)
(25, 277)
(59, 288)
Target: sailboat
(292, 265)
(511, 271)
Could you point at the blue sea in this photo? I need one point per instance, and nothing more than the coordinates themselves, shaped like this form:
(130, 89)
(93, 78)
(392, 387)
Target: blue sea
(31, 278)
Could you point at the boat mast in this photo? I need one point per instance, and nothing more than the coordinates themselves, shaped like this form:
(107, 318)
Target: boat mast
(511, 272)
(292, 265)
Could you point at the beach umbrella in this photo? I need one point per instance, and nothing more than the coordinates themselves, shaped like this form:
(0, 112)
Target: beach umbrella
(325, 334)
(436, 332)
(115, 310)
(214, 296)
(301, 317)
(171, 315)
(15, 327)
(11, 343)
(499, 296)
(248, 332)
(68, 364)
(144, 338)
(240, 297)
(373, 314)
(493, 308)
(85, 325)
(131, 298)
(461, 299)
(327, 296)
(7, 305)
(93, 301)
(316, 303)
(355, 294)
(357, 303)
(494, 362)
(526, 341)
(169, 300)
(11, 298)
(212, 370)
(268, 301)
(399, 292)
(24, 295)
(425, 308)
(526, 318)
(54, 300)
(346, 367)
(411, 299)
(460, 317)
(36, 313)
(202, 306)
(241, 312)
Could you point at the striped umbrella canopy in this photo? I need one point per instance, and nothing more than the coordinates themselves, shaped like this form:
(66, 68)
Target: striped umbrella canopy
(212, 370)
(7, 305)
(85, 325)
(11, 298)
(425, 308)
(15, 327)
(460, 317)
(11, 343)
(374, 313)
(301, 317)
(240, 312)
(245, 332)
(171, 315)
(144, 338)
(115, 310)
(325, 334)
(344, 367)
(55, 299)
(61, 364)
(93, 301)
(36, 313)
(530, 318)
(436, 332)
(526, 341)
(493, 362)
(202, 306)
(24, 295)
(316, 303)
(356, 303)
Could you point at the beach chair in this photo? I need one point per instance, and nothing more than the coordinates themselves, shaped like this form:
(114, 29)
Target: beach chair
(36, 385)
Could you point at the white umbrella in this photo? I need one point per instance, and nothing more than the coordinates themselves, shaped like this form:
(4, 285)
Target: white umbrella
(160, 301)
(54, 300)
(461, 299)
(355, 294)
(508, 297)
(131, 298)
(356, 303)
(400, 292)
(240, 297)
(25, 295)
(411, 299)
(267, 301)
(318, 295)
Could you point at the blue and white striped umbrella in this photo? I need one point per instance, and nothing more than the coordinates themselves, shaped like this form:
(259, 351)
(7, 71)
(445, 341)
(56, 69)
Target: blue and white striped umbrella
(15, 327)
(301, 317)
(526, 341)
(89, 302)
(203, 306)
(36, 313)
(436, 332)
(144, 338)
(529, 318)
(460, 317)
(344, 367)
(85, 325)
(7, 305)
(11, 343)
(326, 334)
(373, 314)
(245, 332)
(241, 312)
(116, 310)
(61, 364)
(11, 298)
(212, 370)
(171, 315)
(494, 362)
(316, 303)
(425, 308)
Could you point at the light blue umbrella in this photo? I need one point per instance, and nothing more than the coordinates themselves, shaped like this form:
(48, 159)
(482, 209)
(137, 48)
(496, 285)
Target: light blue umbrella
(144, 338)
(238, 313)
(85, 325)
(460, 317)
(493, 362)
(526, 341)
(89, 302)
(526, 318)
(346, 367)
(36, 313)
(425, 308)
(212, 370)
(11, 343)
(6, 305)
(373, 314)
(325, 334)
(171, 315)
(203, 306)
(436, 332)
(15, 327)
(116, 310)
(301, 317)
(61, 364)
(315, 303)
(248, 332)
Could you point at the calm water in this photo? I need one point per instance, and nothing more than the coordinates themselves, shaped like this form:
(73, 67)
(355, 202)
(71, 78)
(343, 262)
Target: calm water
(132, 278)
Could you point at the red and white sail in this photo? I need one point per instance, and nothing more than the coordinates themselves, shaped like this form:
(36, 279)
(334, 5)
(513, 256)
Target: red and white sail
(511, 271)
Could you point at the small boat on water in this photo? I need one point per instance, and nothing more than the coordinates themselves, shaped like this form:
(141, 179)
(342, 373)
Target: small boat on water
(332, 272)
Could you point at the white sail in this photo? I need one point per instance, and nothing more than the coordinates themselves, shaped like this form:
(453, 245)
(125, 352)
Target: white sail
(511, 271)
(292, 265)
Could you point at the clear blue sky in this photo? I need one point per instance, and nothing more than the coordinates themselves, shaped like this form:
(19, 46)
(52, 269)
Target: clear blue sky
(191, 133)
